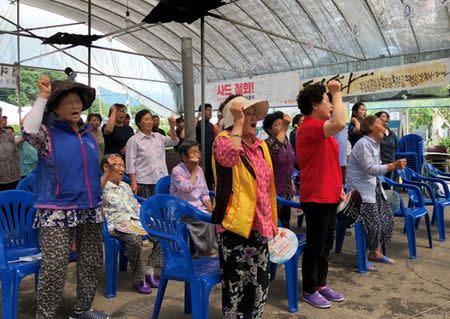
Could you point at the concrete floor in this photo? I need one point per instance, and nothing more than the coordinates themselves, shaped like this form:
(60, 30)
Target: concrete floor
(410, 289)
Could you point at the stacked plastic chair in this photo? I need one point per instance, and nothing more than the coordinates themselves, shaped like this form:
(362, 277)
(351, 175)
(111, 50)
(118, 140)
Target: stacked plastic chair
(161, 217)
(411, 147)
(18, 239)
(431, 195)
(411, 214)
(27, 184)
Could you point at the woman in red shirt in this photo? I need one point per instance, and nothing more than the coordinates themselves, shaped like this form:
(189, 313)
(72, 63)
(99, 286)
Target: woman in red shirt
(320, 184)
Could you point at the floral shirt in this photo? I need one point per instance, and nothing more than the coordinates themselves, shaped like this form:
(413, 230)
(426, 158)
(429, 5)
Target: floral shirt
(119, 204)
(58, 217)
(283, 165)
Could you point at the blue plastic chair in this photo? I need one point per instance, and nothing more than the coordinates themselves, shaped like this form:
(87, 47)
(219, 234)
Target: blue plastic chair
(115, 258)
(27, 184)
(161, 217)
(18, 238)
(126, 179)
(436, 173)
(291, 266)
(162, 186)
(411, 214)
(431, 196)
(411, 147)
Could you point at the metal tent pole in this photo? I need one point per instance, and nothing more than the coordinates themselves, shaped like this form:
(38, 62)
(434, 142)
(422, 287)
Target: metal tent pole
(19, 104)
(188, 88)
(202, 76)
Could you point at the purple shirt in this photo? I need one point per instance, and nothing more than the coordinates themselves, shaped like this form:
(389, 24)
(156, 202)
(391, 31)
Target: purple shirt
(283, 165)
(180, 186)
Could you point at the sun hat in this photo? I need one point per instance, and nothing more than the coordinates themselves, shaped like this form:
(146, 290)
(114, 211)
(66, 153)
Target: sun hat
(261, 108)
(86, 93)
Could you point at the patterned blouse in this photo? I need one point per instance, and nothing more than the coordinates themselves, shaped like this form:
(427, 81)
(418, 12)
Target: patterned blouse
(59, 217)
(283, 165)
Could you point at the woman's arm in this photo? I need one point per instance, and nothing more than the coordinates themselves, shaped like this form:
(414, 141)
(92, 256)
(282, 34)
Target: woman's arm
(337, 121)
(130, 156)
(33, 120)
(109, 126)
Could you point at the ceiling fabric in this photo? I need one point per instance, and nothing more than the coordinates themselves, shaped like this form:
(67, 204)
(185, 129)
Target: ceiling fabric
(360, 29)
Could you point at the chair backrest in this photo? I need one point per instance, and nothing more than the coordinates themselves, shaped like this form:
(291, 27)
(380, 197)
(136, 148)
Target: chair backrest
(126, 179)
(161, 217)
(413, 143)
(27, 184)
(395, 202)
(17, 235)
(163, 185)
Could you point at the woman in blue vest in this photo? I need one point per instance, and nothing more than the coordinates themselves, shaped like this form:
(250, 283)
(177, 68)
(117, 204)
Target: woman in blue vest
(68, 194)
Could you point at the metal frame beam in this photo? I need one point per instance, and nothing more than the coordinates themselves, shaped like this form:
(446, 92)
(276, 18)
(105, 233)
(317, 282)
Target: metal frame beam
(281, 36)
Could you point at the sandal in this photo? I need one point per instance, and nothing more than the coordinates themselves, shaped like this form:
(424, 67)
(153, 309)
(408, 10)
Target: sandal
(371, 267)
(383, 259)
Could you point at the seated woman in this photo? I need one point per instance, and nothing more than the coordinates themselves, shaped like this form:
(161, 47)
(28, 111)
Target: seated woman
(276, 125)
(364, 166)
(121, 209)
(188, 183)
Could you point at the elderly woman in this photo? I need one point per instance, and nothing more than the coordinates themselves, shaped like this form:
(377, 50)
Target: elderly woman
(320, 186)
(146, 154)
(276, 126)
(121, 209)
(9, 157)
(389, 142)
(245, 210)
(188, 182)
(68, 194)
(364, 166)
(95, 120)
(354, 128)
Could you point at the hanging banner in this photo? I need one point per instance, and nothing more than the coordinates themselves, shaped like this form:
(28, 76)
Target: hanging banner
(280, 89)
(404, 77)
(8, 76)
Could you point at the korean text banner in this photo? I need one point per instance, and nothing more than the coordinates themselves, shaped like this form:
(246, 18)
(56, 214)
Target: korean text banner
(8, 76)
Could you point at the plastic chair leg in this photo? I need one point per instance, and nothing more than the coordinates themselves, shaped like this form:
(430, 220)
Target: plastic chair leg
(122, 258)
(427, 224)
(159, 296)
(196, 299)
(111, 271)
(440, 221)
(206, 290)
(8, 296)
(340, 234)
(291, 270)
(411, 235)
(360, 239)
(273, 270)
(187, 298)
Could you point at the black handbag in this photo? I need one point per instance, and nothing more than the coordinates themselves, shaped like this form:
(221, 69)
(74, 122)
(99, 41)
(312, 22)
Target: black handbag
(350, 207)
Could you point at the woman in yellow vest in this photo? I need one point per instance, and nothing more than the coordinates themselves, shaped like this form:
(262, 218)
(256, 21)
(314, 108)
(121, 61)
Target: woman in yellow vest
(245, 210)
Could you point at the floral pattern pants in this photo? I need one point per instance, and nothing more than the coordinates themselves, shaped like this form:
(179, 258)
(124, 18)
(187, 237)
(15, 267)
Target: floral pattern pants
(245, 274)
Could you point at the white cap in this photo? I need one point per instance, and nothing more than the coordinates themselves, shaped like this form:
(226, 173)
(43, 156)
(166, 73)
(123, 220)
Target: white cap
(261, 108)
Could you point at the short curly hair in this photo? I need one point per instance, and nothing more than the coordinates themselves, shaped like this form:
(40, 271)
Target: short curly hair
(310, 95)
(367, 124)
(270, 118)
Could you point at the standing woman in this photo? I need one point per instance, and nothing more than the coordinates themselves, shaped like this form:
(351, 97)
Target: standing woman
(354, 128)
(363, 168)
(68, 194)
(95, 120)
(389, 143)
(276, 125)
(146, 154)
(246, 208)
(321, 185)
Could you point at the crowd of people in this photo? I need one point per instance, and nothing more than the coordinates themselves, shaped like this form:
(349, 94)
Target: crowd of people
(80, 169)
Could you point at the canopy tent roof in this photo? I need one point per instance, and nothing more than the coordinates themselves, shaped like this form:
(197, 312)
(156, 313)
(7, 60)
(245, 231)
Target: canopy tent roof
(310, 33)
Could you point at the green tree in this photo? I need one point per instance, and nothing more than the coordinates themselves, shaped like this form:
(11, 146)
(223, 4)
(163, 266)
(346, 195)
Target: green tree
(28, 88)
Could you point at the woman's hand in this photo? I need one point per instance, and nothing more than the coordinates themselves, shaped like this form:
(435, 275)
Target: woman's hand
(286, 121)
(134, 188)
(172, 121)
(342, 198)
(44, 86)
(400, 164)
(237, 109)
(334, 86)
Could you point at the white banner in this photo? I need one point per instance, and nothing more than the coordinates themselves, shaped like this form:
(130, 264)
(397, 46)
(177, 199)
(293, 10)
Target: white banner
(8, 76)
(280, 89)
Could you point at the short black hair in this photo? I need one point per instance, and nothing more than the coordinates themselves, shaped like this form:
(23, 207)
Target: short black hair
(179, 120)
(118, 106)
(184, 147)
(139, 115)
(310, 95)
(270, 118)
(4, 117)
(228, 99)
(355, 108)
(207, 105)
(155, 116)
(378, 114)
(127, 116)
(9, 128)
(367, 124)
(296, 119)
(90, 116)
